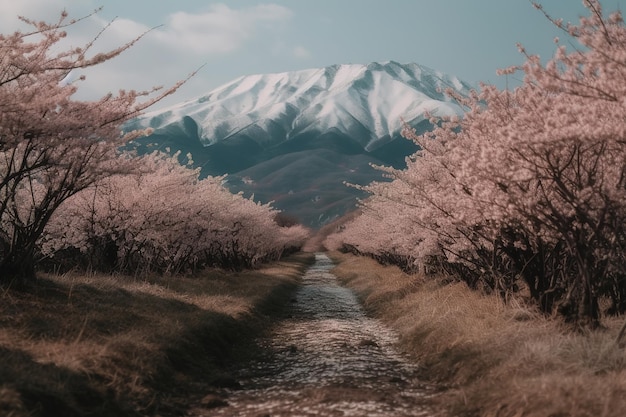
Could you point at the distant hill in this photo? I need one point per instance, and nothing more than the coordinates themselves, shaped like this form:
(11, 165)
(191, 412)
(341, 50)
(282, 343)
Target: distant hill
(295, 137)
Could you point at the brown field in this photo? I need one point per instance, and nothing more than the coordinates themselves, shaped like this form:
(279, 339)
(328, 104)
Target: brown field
(492, 358)
(77, 345)
(110, 345)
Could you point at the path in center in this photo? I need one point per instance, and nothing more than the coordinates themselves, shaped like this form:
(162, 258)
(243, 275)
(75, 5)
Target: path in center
(327, 359)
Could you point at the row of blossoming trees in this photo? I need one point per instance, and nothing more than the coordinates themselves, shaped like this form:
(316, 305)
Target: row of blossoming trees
(527, 189)
(69, 197)
(162, 217)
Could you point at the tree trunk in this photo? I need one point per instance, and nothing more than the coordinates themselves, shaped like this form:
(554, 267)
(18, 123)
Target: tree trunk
(18, 269)
(588, 309)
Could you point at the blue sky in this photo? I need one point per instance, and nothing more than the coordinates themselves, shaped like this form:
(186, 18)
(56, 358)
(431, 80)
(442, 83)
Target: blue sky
(466, 38)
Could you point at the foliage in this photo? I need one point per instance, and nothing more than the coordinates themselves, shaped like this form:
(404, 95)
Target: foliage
(69, 196)
(527, 189)
(163, 218)
(503, 359)
(51, 146)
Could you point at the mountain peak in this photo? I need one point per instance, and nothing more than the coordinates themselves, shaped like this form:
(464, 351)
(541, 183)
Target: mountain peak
(294, 137)
(374, 98)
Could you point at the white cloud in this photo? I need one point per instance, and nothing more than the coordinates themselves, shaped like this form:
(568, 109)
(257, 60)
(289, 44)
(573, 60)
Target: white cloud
(301, 52)
(167, 53)
(46, 10)
(220, 29)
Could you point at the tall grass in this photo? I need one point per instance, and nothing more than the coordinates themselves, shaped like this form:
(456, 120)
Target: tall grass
(112, 345)
(495, 359)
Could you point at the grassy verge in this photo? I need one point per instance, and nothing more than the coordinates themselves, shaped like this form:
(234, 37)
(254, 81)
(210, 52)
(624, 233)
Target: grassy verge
(79, 345)
(495, 359)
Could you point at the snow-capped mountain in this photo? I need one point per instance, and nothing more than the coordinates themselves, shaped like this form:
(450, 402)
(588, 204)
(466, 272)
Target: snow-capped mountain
(295, 137)
(371, 99)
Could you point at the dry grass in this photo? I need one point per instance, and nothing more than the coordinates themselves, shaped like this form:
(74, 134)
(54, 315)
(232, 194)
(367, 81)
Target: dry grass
(79, 345)
(496, 359)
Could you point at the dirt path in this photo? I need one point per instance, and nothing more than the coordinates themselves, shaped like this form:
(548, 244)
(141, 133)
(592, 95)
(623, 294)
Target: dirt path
(326, 359)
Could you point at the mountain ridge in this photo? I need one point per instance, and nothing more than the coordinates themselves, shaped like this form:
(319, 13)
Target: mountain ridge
(299, 98)
(348, 110)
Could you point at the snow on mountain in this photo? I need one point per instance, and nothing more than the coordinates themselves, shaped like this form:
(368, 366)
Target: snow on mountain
(294, 138)
(350, 98)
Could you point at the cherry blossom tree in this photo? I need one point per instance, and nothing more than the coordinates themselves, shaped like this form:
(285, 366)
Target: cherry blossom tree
(559, 145)
(162, 217)
(530, 183)
(51, 146)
